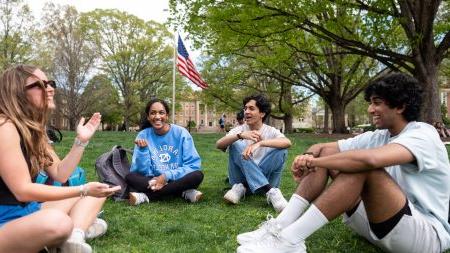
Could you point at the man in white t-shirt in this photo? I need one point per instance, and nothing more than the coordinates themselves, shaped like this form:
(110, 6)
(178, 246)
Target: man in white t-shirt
(257, 153)
(391, 185)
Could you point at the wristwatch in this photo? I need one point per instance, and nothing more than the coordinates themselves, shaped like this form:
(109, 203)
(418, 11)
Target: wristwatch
(239, 136)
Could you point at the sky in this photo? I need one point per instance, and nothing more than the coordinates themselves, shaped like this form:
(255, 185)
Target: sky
(145, 9)
(156, 10)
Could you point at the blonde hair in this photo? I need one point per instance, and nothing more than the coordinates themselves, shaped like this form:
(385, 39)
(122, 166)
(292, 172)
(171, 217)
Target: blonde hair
(29, 120)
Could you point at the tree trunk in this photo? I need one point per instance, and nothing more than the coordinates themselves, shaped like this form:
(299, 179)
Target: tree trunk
(431, 103)
(325, 119)
(287, 119)
(126, 120)
(72, 123)
(338, 111)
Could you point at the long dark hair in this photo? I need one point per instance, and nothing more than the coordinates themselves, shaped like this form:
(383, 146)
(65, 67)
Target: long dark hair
(145, 124)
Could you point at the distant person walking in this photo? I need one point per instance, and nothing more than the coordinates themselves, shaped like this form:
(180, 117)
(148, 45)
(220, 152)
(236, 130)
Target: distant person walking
(240, 117)
(222, 121)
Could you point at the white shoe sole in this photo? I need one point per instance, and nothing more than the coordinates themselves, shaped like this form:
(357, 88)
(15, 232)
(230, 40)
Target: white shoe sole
(75, 247)
(243, 241)
(244, 249)
(198, 197)
(230, 199)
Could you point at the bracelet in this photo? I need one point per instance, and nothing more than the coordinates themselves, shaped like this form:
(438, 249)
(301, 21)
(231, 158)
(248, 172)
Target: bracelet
(80, 144)
(83, 191)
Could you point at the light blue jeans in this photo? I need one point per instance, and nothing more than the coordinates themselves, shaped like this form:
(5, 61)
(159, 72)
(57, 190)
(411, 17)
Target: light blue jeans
(268, 171)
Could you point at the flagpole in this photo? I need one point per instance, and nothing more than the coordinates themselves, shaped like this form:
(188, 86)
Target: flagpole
(173, 77)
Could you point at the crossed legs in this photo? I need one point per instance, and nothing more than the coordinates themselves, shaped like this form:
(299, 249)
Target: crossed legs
(50, 226)
(267, 172)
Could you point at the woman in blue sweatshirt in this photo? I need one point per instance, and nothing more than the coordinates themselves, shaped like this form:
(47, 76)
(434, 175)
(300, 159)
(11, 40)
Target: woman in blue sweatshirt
(165, 161)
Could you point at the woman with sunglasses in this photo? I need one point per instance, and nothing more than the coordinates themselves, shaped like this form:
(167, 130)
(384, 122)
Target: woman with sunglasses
(35, 216)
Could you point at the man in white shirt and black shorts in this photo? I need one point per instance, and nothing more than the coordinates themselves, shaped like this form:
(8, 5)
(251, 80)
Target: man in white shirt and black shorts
(392, 186)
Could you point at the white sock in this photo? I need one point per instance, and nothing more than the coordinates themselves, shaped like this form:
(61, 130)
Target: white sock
(294, 209)
(77, 235)
(307, 224)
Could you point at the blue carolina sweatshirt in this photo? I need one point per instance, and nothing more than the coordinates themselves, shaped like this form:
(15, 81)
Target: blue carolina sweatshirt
(172, 154)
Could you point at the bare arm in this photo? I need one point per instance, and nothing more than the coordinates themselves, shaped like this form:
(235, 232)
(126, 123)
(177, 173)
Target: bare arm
(329, 147)
(360, 160)
(14, 172)
(62, 169)
(315, 150)
(281, 142)
(226, 141)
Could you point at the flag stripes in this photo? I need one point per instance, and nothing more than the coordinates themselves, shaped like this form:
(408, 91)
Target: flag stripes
(187, 68)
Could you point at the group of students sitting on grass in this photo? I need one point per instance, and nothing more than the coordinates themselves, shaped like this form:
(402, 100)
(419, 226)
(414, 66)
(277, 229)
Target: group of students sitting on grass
(166, 163)
(391, 185)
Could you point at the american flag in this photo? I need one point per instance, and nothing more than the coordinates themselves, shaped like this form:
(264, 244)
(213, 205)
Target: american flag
(187, 68)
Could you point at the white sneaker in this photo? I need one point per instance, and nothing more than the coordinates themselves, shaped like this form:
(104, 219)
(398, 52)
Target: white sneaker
(71, 247)
(96, 229)
(275, 197)
(268, 227)
(75, 247)
(235, 194)
(137, 198)
(192, 195)
(272, 244)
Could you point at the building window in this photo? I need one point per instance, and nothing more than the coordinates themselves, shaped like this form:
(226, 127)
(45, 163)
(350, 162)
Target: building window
(210, 124)
(444, 95)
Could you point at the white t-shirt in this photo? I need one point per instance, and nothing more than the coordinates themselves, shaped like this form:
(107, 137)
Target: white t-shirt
(426, 181)
(267, 132)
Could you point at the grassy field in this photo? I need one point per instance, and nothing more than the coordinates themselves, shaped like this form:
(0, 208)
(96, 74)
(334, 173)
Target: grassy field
(208, 226)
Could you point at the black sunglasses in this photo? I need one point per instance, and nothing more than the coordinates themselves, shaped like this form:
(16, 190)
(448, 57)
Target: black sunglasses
(41, 83)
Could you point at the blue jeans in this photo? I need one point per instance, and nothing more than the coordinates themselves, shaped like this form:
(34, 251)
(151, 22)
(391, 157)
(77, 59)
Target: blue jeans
(268, 171)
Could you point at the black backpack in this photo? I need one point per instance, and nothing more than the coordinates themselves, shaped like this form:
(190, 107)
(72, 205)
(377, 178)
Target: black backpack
(112, 168)
(54, 134)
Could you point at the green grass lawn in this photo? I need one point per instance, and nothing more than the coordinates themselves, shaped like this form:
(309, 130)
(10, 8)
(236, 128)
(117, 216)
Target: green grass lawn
(208, 226)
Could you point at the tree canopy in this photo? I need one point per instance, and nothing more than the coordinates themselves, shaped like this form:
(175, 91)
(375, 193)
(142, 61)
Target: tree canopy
(411, 35)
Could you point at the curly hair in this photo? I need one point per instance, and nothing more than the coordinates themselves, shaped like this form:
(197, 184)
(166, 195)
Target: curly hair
(398, 90)
(262, 103)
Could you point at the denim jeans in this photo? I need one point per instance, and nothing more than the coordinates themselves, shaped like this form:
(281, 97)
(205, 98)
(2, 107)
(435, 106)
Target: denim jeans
(268, 171)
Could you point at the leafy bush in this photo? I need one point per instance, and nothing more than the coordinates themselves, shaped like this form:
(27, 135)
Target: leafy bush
(445, 119)
(305, 130)
(191, 124)
(369, 128)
